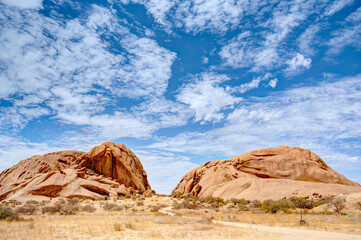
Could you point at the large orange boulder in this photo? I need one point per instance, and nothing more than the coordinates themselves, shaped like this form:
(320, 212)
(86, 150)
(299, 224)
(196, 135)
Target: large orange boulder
(107, 170)
(270, 173)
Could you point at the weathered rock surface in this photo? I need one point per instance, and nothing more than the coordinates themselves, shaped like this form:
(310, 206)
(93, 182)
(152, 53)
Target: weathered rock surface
(270, 173)
(106, 170)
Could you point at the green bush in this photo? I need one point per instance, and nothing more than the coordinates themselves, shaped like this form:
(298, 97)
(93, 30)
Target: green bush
(237, 201)
(285, 205)
(266, 205)
(275, 206)
(256, 204)
(9, 215)
(215, 202)
(176, 195)
(302, 202)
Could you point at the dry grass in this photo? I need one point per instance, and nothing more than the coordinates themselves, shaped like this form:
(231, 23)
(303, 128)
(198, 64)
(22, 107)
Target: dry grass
(350, 223)
(120, 226)
(139, 221)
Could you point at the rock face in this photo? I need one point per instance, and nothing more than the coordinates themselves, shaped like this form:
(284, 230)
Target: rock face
(270, 173)
(106, 170)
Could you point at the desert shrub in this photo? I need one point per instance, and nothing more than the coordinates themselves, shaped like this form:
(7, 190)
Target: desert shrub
(49, 209)
(266, 205)
(88, 208)
(130, 226)
(241, 203)
(9, 215)
(215, 202)
(322, 201)
(32, 202)
(108, 206)
(338, 204)
(285, 204)
(256, 204)
(270, 206)
(28, 209)
(302, 202)
(196, 181)
(184, 205)
(237, 201)
(176, 195)
(73, 201)
(118, 227)
(66, 208)
(12, 203)
(275, 206)
(154, 208)
(140, 203)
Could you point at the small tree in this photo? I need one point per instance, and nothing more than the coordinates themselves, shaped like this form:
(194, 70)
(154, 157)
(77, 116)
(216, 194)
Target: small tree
(338, 203)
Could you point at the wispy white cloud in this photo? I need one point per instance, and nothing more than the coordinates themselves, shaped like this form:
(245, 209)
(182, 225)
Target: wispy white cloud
(255, 83)
(206, 97)
(67, 68)
(199, 15)
(318, 118)
(355, 17)
(349, 36)
(24, 4)
(308, 39)
(337, 6)
(264, 50)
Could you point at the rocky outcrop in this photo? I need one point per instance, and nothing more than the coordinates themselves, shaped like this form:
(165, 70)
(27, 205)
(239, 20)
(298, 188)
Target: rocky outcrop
(270, 173)
(117, 162)
(106, 170)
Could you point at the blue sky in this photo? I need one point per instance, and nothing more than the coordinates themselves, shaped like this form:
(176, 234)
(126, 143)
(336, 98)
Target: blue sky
(181, 82)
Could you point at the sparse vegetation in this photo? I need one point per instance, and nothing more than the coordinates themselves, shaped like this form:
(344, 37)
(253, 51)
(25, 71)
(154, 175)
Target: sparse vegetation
(275, 206)
(49, 209)
(176, 195)
(118, 227)
(29, 208)
(184, 205)
(215, 202)
(302, 202)
(108, 206)
(148, 222)
(66, 208)
(88, 208)
(9, 215)
(338, 203)
(156, 208)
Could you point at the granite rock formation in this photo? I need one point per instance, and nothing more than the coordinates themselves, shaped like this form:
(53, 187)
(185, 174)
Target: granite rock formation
(270, 173)
(106, 170)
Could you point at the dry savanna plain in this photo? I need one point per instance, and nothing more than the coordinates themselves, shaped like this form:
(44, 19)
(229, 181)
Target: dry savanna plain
(174, 217)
